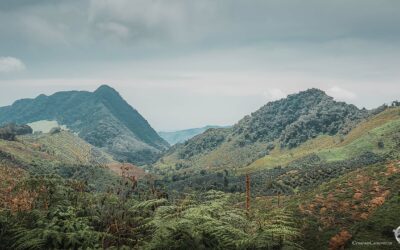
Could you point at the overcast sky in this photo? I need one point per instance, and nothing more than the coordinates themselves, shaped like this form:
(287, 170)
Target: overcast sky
(190, 63)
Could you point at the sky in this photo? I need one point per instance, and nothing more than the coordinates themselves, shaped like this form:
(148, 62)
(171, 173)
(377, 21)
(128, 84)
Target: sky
(185, 64)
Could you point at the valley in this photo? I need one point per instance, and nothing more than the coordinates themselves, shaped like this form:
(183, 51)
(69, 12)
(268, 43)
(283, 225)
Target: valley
(180, 136)
(321, 174)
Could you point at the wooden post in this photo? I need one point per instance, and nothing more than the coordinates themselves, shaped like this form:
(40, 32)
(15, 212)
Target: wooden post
(279, 198)
(248, 193)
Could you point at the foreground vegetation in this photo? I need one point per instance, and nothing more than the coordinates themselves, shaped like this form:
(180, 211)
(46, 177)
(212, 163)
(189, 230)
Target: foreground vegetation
(47, 211)
(50, 212)
(55, 195)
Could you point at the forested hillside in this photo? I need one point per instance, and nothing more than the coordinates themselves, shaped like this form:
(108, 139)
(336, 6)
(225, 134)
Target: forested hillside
(102, 118)
(289, 170)
(282, 124)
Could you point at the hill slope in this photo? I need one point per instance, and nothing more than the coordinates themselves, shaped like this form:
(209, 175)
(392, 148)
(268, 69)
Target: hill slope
(102, 118)
(375, 140)
(64, 154)
(180, 136)
(282, 124)
(360, 206)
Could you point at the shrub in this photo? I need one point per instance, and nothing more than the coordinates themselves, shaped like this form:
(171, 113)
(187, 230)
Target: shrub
(9, 131)
(6, 134)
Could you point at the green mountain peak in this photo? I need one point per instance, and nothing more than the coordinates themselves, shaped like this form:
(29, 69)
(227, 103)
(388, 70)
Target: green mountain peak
(102, 118)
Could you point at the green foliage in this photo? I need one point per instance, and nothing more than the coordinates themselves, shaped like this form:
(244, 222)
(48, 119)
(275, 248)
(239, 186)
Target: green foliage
(278, 230)
(277, 126)
(97, 178)
(64, 216)
(298, 118)
(205, 142)
(61, 228)
(102, 118)
(9, 131)
(200, 225)
(209, 221)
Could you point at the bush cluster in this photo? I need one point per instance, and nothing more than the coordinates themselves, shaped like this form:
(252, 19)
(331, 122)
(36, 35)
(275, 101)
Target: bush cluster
(9, 131)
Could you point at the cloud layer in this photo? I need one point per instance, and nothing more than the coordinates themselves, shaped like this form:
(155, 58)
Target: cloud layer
(176, 61)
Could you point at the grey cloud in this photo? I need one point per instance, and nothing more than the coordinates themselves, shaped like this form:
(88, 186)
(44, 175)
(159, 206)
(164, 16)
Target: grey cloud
(9, 5)
(220, 22)
(264, 47)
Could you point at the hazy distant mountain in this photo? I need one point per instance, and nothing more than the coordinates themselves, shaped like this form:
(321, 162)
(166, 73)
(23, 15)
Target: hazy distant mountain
(102, 118)
(175, 137)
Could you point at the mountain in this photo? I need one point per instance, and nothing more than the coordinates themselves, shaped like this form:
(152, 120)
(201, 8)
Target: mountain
(331, 139)
(336, 166)
(286, 123)
(180, 136)
(102, 118)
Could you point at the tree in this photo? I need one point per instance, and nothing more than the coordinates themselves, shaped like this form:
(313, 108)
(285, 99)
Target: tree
(7, 134)
(60, 229)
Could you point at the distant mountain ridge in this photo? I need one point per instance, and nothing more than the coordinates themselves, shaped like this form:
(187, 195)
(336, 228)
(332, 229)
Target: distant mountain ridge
(179, 136)
(102, 118)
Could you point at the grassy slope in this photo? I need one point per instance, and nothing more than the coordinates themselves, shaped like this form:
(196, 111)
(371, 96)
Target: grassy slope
(9, 177)
(380, 226)
(63, 148)
(69, 148)
(282, 157)
(366, 142)
(226, 156)
(364, 202)
(332, 148)
(363, 137)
